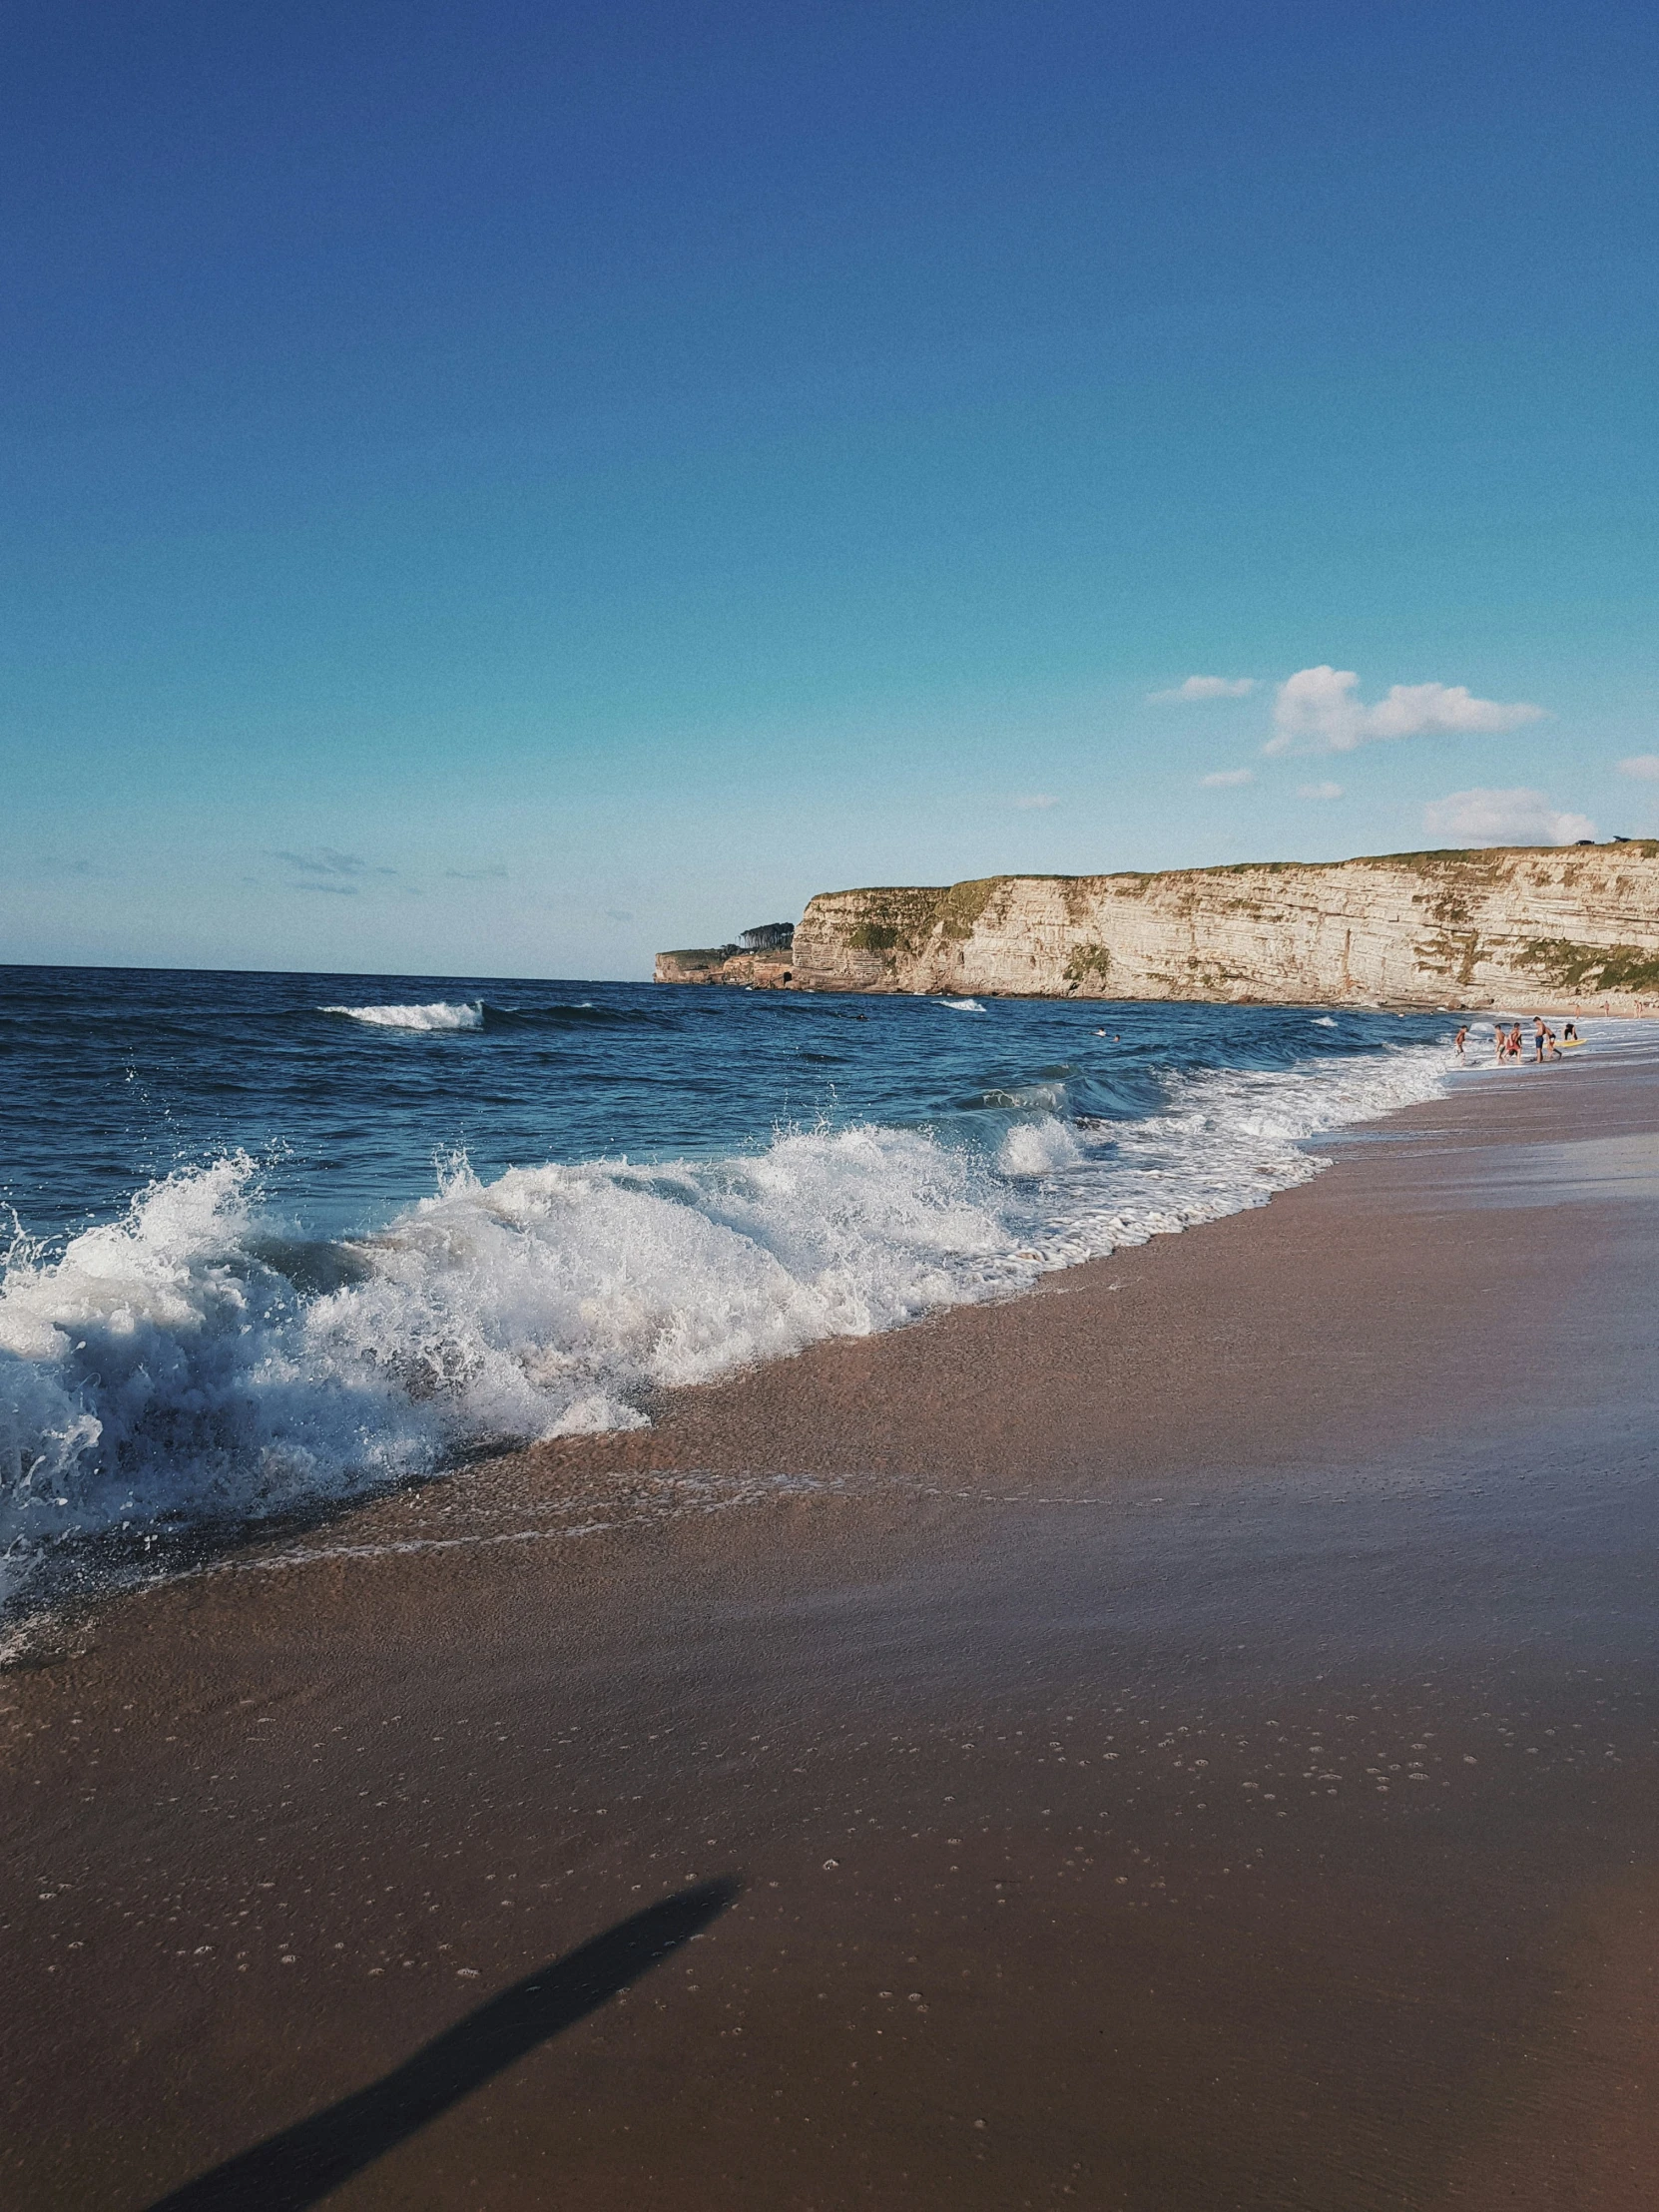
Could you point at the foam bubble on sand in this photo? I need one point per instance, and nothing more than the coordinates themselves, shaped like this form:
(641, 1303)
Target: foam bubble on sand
(437, 1016)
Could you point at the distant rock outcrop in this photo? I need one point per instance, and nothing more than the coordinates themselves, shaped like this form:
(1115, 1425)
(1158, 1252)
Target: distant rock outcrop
(760, 960)
(1518, 928)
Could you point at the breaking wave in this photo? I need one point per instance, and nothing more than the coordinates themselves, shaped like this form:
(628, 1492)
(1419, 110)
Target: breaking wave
(440, 1015)
(193, 1365)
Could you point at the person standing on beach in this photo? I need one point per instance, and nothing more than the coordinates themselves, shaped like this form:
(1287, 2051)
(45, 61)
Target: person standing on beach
(1515, 1043)
(1501, 1039)
(1538, 1035)
(1462, 1039)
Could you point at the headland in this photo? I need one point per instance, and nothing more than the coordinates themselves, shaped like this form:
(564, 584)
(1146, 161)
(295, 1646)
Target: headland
(1572, 929)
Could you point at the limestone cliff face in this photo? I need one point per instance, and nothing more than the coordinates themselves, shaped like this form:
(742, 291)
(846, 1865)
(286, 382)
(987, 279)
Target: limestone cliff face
(756, 972)
(1521, 928)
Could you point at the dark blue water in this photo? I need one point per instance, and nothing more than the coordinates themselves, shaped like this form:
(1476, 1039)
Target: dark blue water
(281, 1237)
(111, 1077)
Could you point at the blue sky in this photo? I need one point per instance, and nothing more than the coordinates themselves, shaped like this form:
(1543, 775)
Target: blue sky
(501, 489)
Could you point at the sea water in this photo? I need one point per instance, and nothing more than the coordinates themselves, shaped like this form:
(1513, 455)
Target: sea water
(275, 1241)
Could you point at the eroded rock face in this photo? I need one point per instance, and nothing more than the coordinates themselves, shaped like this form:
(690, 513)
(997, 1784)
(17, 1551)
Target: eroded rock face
(756, 972)
(1517, 929)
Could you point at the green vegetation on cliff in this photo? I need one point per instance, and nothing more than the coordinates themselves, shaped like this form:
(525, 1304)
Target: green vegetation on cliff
(1571, 966)
(1089, 961)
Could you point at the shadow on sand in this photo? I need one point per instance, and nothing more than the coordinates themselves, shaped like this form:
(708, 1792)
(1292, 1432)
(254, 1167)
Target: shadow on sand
(300, 2165)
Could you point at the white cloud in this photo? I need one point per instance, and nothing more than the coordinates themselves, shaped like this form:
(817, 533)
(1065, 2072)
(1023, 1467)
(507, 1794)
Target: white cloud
(1319, 709)
(1229, 779)
(1204, 687)
(1519, 817)
(1643, 766)
(1325, 790)
(1028, 801)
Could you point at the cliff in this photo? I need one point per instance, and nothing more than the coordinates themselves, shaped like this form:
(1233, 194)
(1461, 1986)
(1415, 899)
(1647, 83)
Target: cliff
(724, 963)
(1517, 929)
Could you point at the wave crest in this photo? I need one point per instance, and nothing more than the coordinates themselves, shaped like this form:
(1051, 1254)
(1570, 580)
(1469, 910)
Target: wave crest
(166, 1369)
(437, 1016)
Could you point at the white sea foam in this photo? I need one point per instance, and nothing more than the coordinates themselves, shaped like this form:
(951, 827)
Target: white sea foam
(1039, 1148)
(1325, 1021)
(164, 1368)
(438, 1015)
(1227, 1140)
(962, 1005)
(159, 1366)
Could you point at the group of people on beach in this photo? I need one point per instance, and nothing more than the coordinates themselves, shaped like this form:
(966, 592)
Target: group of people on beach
(1507, 1041)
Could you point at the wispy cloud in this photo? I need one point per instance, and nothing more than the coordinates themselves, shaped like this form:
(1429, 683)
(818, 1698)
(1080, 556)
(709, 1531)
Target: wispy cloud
(1317, 710)
(1028, 802)
(495, 875)
(1204, 687)
(1227, 779)
(326, 868)
(1643, 766)
(1519, 817)
(1326, 789)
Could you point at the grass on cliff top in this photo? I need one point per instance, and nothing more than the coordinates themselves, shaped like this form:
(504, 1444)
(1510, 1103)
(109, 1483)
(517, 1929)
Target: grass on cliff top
(980, 888)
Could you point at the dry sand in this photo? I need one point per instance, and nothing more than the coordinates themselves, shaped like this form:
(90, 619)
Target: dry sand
(1183, 1739)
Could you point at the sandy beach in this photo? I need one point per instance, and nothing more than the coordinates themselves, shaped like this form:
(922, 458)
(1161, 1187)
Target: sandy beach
(1181, 1739)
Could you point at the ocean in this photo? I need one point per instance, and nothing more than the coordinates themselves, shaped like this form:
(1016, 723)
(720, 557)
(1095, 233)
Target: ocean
(275, 1242)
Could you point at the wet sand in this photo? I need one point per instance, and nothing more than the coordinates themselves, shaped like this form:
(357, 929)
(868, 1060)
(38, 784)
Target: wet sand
(1187, 1738)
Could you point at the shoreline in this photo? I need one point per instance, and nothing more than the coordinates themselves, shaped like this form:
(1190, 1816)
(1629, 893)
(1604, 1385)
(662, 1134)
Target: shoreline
(854, 1227)
(1002, 1659)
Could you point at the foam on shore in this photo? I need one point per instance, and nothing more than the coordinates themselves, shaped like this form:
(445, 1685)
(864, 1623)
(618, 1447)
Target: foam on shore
(180, 1366)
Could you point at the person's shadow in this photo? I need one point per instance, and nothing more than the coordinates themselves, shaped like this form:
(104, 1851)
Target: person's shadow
(300, 2165)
